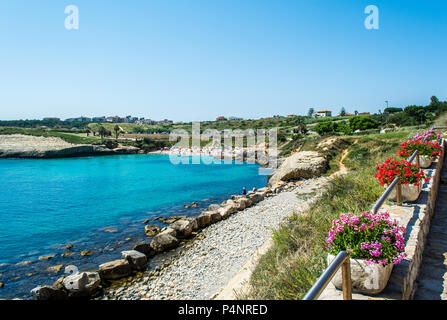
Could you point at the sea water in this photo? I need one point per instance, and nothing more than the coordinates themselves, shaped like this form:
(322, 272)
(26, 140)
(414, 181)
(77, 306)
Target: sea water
(49, 203)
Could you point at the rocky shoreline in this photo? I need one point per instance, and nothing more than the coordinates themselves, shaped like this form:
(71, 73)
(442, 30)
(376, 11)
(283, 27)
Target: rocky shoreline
(33, 147)
(205, 266)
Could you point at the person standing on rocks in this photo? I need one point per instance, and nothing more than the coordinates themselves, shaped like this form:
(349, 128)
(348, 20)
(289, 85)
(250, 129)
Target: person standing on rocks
(244, 191)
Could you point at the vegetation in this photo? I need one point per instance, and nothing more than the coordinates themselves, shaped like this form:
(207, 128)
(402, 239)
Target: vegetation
(298, 254)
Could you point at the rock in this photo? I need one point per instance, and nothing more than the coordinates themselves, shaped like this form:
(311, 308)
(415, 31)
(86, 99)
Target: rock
(169, 230)
(81, 284)
(47, 257)
(195, 225)
(145, 248)
(2, 285)
(55, 269)
(115, 269)
(304, 164)
(48, 293)
(151, 230)
(23, 263)
(110, 230)
(183, 228)
(85, 253)
(213, 207)
(195, 205)
(136, 259)
(67, 254)
(203, 220)
(69, 246)
(226, 211)
(164, 241)
(214, 216)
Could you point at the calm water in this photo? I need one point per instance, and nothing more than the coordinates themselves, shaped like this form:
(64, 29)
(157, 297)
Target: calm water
(46, 204)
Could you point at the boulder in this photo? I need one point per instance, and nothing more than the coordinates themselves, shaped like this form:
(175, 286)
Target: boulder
(151, 230)
(195, 225)
(48, 293)
(203, 220)
(304, 164)
(164, 241)
(81, 284)
(214, 216)
(136, 259)
(183, 228)
(145, 248)
(226, 211)
(114, 269)
(169, 230)
(213, 207)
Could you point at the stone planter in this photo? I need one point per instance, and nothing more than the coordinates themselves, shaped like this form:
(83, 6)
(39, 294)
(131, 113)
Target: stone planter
(410, 192)
(365, 278)
(425, 162)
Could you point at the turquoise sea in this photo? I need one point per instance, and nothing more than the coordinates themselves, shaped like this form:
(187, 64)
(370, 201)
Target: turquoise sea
(47, 204)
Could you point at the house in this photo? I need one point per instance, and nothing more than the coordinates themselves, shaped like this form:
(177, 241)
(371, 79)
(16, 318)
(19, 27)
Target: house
(221, 118)
(291, 116)
(322, 114)
(234, 118)
(364, 114)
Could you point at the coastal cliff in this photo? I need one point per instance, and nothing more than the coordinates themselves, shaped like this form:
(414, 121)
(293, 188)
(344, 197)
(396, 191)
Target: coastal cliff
(23, 146)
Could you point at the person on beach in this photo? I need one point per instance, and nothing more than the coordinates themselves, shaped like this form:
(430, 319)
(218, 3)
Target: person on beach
(254, 189)
(244, 191)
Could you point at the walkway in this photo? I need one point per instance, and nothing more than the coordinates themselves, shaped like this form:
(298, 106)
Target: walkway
(432, 280)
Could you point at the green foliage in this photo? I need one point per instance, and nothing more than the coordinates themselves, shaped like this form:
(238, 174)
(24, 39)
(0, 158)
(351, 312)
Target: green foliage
(363, 123)
(392, 110)
(332, 127)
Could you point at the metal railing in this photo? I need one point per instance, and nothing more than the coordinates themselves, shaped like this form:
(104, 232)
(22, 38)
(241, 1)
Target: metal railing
(342, 259)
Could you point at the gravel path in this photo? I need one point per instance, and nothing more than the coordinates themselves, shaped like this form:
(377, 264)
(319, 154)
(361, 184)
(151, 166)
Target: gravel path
(209, 264)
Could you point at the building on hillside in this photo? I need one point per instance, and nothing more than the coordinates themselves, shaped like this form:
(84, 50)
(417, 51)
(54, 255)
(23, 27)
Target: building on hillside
(322, 114)
(291, 116)
(364, 114)
(221, 118)
(80, 119)
(99, 119)
(235, 118)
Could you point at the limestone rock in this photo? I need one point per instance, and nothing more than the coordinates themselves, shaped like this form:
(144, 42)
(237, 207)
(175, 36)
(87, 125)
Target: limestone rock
(114, 269)
(164, 241)
(304, 164)
(226, 211)
(183, 228)
(136, 259)
(151, 230)
(203, 220)
(48, 293)
(81, 284)
(145, 248)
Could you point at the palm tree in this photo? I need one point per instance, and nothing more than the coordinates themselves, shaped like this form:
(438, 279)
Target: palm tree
(117, 130)
(102, 132)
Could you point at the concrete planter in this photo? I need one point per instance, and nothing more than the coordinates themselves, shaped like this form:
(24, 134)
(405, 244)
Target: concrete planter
(425, 162)
(365, 278)
(410, 192)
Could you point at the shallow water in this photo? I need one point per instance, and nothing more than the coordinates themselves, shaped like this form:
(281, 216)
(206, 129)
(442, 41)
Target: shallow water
(47, 204)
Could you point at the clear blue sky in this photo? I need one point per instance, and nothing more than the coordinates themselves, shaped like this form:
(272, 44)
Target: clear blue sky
(198, 59)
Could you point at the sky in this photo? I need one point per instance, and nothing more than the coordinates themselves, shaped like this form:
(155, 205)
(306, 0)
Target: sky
(195, 60)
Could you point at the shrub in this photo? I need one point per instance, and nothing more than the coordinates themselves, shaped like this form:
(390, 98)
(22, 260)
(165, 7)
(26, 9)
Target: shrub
(363, 123)
(425, 148)
(392, 168)
(367, 236)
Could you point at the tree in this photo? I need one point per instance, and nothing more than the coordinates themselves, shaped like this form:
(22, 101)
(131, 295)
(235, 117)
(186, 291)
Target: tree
(310, 112)
(392, 110)
(342, 112)
(356, 112)
(117, 130)
(363, 123)
(102, 131)
(434, 100)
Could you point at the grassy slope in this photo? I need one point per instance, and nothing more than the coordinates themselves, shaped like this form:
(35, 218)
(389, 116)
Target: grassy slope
(69, 137)
(298, 255)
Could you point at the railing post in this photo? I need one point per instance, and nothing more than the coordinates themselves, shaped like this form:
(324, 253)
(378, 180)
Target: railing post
(347, 285)
(399, 194)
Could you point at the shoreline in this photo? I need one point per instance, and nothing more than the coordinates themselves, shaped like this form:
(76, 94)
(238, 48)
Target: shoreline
(204, 268)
